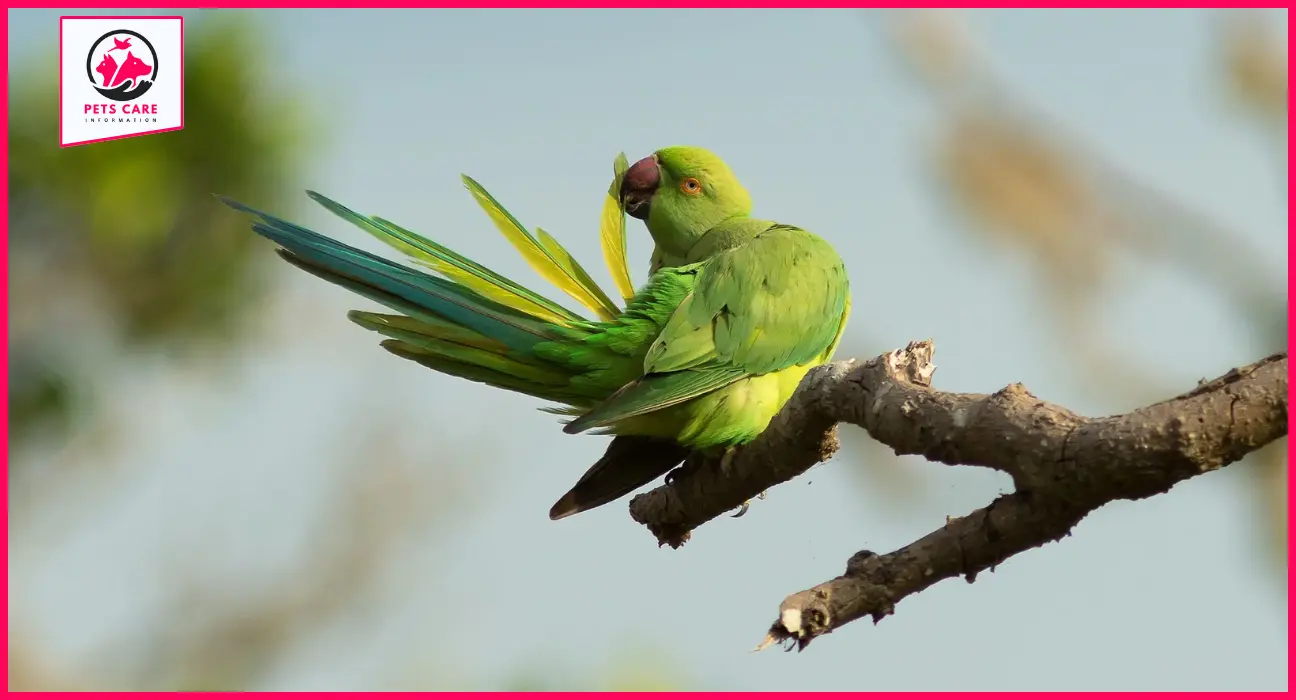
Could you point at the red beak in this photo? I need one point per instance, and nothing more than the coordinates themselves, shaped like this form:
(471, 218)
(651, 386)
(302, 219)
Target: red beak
(639, 185)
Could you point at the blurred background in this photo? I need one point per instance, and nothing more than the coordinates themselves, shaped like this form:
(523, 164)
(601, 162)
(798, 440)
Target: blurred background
(218, 482)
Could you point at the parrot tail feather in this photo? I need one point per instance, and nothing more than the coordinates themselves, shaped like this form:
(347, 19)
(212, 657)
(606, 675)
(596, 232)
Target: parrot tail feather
(454, 344)
(454, 266)
(475, 371)
(545, 255)
(630, 462)
(399, 287)
(612, 233)
(456, 327)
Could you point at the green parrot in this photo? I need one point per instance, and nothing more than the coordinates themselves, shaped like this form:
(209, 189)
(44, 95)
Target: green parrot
(703, 355)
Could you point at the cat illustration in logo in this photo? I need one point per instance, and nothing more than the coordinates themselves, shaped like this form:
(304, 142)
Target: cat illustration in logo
(132, 69)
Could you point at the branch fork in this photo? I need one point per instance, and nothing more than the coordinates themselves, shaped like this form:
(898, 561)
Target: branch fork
(1063, 465)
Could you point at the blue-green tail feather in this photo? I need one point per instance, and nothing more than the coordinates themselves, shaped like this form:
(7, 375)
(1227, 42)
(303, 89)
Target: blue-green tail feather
(446, 326)
(440, 297)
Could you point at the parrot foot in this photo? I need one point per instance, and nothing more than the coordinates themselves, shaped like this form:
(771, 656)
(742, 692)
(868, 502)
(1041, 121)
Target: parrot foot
(726, 461)
(726, 468)
(746, 506)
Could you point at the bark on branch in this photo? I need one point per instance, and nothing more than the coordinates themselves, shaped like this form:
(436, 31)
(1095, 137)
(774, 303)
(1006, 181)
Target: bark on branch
(1063, 465)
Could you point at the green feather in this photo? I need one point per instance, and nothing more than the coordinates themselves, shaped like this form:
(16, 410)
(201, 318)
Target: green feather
(483, 375)
(546, 256)
(653, 393)
(454, 266)
(379, 279)
(430, 339)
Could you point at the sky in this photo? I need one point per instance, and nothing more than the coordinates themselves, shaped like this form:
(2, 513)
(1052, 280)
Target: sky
(821, 121)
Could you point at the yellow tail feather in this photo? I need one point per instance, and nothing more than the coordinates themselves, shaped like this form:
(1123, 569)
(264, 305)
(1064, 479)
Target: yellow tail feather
(612, 231)
(547, 258)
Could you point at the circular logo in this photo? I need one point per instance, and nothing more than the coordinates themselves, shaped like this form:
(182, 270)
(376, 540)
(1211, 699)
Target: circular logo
(122, 65)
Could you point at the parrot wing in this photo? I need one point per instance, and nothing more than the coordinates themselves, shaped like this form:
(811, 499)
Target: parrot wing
(454, 266)
(545, 255)
(776, 302)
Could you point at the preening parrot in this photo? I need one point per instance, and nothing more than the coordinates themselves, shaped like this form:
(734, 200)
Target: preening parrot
(703, 355)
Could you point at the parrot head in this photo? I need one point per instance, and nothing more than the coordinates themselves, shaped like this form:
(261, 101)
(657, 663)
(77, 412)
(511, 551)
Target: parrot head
(680, 193)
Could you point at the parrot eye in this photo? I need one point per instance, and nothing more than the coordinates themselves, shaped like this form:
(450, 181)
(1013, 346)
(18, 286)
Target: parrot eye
(690, 185)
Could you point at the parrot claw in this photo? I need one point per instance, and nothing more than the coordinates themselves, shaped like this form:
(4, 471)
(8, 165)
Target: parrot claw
(742, 510)
(726, 468)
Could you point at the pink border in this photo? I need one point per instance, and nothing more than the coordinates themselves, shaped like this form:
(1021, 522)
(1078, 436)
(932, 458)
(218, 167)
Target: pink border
(123, 136)
(587, 4)
(4, 204)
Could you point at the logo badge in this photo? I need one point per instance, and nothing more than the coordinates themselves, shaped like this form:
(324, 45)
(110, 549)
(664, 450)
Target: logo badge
(119, 77)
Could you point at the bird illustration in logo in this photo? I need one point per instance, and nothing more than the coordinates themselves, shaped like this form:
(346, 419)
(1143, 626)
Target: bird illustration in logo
(132, 69)
(121, 44)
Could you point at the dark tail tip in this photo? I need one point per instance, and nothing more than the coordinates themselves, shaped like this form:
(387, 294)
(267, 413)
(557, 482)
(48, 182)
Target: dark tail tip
(574, 427)
(629, 463)
(566, 506)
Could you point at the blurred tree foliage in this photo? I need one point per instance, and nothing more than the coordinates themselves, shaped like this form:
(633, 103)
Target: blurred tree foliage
(632, 669)
(119, 251)
(124, 238)
(121, 254)
(1027, 185)
(1254, 69)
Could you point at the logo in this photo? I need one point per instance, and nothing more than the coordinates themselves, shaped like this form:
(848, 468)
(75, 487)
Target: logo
(123, 77)
(119, 77)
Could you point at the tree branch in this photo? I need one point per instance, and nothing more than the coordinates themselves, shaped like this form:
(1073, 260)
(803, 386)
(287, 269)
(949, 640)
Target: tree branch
(1063, 465)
